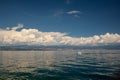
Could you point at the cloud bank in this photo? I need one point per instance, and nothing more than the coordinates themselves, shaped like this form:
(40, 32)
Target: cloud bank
(36, 37)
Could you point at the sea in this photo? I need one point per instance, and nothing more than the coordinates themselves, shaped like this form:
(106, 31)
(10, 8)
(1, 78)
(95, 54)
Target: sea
(60, 65)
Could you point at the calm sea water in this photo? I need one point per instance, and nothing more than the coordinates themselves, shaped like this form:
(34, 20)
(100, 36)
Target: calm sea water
(60, 65)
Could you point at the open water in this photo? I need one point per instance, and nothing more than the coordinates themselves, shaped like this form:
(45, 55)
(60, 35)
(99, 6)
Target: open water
(60, 65)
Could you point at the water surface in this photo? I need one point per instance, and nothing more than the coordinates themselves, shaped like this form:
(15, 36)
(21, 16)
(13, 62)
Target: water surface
(60, 65)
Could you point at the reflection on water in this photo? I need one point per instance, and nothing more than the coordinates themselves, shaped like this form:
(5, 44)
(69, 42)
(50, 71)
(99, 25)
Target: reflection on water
(60, 65)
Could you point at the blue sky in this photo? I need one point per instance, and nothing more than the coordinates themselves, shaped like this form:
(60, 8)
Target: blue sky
(75, 17)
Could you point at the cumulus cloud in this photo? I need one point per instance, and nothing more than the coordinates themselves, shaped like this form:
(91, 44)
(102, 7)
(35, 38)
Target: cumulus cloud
(36, 37)
(17, 27)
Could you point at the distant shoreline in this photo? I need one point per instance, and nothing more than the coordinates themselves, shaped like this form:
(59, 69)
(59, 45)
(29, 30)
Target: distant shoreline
(54, 48)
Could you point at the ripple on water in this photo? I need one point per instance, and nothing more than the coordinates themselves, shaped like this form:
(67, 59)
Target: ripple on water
(59, 65)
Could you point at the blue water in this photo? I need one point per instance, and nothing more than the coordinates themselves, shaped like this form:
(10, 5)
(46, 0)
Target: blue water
(60, 65)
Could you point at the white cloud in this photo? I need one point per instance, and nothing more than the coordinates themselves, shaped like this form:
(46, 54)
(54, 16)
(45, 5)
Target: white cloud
(36, 37)
(74, 12)
(17, 27)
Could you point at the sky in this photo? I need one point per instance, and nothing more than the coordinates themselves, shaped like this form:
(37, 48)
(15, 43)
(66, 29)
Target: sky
(71, 22)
